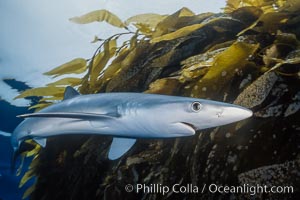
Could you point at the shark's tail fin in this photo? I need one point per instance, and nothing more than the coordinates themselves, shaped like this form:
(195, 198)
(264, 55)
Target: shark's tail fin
(15, 151)
(5, 134)
(13, 160)
(18, 149)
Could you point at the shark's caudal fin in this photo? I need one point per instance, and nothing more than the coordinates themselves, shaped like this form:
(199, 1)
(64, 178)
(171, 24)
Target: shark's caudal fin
(13, 160)
(120, 146)
(5, 134)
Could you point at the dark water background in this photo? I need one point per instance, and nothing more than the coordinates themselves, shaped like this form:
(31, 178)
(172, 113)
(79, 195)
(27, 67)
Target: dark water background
(9, 182)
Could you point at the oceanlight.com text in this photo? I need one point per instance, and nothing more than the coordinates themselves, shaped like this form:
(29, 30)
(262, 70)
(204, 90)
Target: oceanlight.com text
(211, 188)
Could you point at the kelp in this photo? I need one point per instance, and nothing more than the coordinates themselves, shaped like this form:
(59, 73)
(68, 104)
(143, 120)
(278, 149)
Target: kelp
(75, 66)
(224, 66)
(248, 55)
(99, 16)
(43, 91)
(149, 20)
(66, 81)
(169, 23)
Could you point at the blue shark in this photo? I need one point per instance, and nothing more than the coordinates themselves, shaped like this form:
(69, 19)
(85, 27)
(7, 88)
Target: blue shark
(126, 117)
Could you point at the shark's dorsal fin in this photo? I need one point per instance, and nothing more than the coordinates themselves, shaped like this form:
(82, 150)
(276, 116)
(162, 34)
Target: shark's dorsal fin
(70, 92)
(41, 141)
(119, 147)
(75, 115)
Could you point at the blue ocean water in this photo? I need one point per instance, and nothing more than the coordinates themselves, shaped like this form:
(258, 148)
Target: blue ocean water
(9, 182)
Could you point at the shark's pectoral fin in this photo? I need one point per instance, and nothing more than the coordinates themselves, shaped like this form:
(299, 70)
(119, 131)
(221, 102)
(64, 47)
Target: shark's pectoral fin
(119, 147)
(41, 141)
(74, 115)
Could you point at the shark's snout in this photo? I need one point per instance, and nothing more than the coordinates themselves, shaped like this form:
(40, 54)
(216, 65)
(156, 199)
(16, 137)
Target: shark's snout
(234, 113)
(219, 113)
(212, 114)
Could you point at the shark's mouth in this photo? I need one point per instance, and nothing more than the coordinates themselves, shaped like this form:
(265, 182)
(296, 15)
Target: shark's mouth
(190, 125)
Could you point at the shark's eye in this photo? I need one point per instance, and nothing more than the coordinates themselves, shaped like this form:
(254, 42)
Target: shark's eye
(196, 106)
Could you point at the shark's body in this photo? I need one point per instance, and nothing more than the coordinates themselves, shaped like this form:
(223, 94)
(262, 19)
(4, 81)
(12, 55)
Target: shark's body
(126, 116)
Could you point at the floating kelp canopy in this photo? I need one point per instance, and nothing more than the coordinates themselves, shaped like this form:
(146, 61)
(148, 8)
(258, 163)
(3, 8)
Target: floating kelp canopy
(248, 55)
